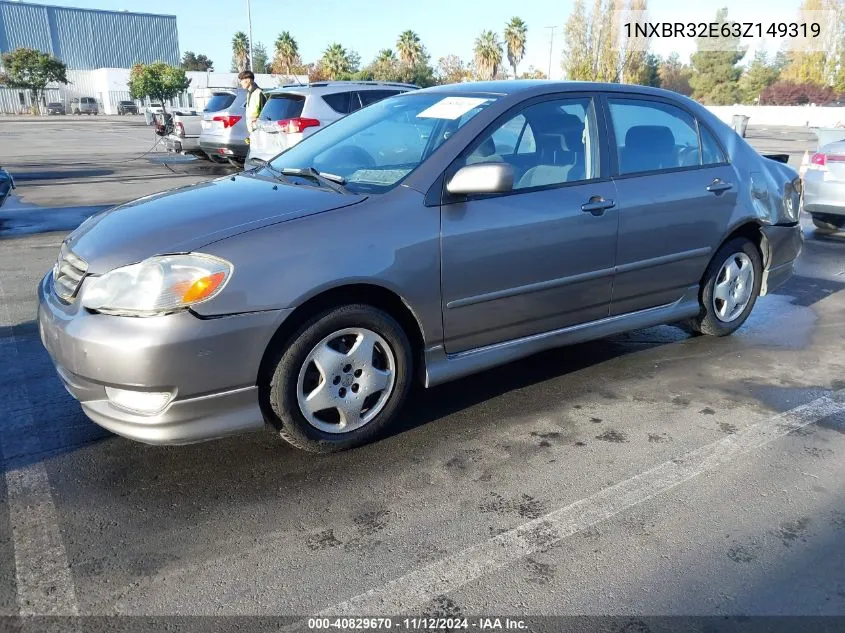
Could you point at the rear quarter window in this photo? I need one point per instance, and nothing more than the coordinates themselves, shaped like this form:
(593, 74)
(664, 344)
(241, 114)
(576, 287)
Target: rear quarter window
(279, 107)
(219, 101)
(340, 102)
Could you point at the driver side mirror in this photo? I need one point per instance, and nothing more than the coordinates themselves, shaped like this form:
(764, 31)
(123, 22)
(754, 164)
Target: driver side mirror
(482, 178)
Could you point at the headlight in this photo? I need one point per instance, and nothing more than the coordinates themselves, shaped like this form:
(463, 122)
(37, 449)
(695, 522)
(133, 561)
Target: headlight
(158, 285)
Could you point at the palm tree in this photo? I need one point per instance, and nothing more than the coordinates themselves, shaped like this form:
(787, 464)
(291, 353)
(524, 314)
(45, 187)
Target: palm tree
(515, 40)
(287, 53)
(410, 48)
(240, 51)
(488, 54)
(386, 56)
(335, 61)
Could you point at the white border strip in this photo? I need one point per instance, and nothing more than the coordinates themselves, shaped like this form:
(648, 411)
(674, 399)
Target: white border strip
(44, 582)
(419, 587)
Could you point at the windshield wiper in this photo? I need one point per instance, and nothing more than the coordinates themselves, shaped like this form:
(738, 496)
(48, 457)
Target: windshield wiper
(332, 181)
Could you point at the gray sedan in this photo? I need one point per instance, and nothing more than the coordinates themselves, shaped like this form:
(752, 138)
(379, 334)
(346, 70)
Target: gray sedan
(429, 236)
(824, 188)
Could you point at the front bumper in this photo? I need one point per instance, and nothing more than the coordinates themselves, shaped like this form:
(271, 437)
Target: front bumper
(783, 246)
(210, 365)
(823, 196)
(224, 149)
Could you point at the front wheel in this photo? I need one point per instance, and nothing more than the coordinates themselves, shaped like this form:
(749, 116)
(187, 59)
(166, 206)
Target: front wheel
(340, 381)
(729, 289)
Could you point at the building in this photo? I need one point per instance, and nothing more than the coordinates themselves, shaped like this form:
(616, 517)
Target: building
(90, 42)
(99, 48)
(85, 39)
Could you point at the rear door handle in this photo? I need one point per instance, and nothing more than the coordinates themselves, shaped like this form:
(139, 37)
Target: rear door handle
(718, 186)
(597, 205)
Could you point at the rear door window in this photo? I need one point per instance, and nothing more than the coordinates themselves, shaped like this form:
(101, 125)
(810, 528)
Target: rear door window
(653, 136)
(343, 102)
(280, 107)
(371, 96)
(219, 101)
(711, 153)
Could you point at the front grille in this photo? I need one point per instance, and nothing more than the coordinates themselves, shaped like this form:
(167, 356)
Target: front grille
(68, 274)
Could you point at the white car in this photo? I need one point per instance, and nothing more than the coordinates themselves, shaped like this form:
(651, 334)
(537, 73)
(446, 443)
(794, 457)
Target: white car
(293, 112)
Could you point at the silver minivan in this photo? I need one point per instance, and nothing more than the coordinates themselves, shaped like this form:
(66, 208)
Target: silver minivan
(224, 132)
(295, 112)
(84, 105)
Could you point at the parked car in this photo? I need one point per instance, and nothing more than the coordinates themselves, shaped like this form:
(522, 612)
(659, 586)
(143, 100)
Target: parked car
(84, 105)
(294, 112)
(7, 183)
(56, 108)
(404, 243)
(127, 107)
(224, 134)
(824, 188)
(185, 137)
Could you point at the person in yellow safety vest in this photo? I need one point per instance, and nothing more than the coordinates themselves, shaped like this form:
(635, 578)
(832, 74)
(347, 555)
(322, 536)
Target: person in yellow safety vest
(255, 99)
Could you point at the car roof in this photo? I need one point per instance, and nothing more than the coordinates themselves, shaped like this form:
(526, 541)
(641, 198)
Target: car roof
(540, 86)
(322, 87)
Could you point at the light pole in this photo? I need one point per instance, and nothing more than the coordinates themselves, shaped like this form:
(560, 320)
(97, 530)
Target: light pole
(551, 45)
(249, 23)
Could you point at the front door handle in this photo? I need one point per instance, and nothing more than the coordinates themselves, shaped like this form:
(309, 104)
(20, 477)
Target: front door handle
(597, 205)
(718, 186)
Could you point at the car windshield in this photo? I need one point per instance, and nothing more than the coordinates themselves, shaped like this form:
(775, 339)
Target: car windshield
(375, 148)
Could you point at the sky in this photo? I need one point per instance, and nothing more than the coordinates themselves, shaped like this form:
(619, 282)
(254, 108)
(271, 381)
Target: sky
(444, 26)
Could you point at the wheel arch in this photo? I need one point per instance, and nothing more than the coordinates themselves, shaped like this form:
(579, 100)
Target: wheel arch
(371, 294)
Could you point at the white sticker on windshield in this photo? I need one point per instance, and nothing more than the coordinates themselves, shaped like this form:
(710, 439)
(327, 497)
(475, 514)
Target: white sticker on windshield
(451, 108)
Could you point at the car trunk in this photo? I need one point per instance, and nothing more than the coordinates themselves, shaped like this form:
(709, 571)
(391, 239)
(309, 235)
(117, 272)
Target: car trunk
(214, 118)
(271, 136)
(833, 161)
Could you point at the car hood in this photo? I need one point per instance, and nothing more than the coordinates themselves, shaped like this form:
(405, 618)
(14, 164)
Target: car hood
(188, 218)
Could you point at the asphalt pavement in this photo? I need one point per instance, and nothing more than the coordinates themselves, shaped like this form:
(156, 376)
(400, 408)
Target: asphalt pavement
(651, 473)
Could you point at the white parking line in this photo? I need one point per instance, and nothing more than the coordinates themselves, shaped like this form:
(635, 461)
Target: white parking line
(44, 582)
(419, 587)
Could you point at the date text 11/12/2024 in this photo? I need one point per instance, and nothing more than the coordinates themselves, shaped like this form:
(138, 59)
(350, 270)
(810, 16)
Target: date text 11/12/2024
(417, 624)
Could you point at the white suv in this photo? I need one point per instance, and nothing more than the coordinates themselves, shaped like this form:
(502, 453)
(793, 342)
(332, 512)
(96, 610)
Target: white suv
(293, 112)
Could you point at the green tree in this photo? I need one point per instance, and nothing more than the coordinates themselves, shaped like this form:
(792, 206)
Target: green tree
(674, 75)
(759, 75)
(488, 55)
(577, 58)
(715, 79)
(385, 66)
(192, 61)
(286, 58)
(32, 70)
(808, 64)
(452, 70)
(335, 61)
(533, 73)
(515, 35)
(259, 58)
(240, 52)
(158, 81)
(634, 57)
(590, 51)
(411, 50)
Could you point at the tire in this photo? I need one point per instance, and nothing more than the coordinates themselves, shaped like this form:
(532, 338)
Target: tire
(292, 374)
(826, 228)
(709, 321)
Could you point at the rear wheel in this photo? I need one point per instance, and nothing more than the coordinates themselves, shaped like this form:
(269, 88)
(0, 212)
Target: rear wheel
(729, 289)
(340, 380)
(825, 227)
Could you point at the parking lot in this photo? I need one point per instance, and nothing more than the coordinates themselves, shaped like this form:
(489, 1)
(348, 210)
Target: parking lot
(651, 473)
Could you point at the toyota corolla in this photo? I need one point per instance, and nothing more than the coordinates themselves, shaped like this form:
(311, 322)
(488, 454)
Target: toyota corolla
(426, 237)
